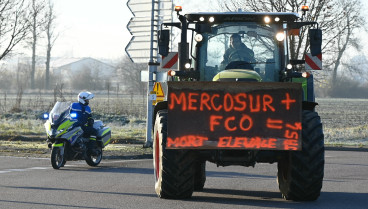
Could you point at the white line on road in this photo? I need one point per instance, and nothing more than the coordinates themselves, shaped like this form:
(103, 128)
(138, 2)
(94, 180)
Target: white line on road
(76, 164)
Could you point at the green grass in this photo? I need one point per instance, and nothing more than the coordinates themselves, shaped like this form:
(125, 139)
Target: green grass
(15, 127)
(130, 133)
(357, 136)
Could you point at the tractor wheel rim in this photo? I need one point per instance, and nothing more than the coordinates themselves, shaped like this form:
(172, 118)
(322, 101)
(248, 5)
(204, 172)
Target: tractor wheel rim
(157, 155)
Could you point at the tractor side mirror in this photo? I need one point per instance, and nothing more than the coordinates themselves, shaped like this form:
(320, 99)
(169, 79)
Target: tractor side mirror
(315, 40)
(163, 42)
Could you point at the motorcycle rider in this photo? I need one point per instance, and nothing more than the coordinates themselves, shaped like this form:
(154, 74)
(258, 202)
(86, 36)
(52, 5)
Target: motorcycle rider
(84, 114)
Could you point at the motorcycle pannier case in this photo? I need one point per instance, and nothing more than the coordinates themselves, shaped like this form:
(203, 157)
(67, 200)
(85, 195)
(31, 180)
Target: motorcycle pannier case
(105, 134)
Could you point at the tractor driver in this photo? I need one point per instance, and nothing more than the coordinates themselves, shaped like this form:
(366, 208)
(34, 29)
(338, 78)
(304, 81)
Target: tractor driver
(238, 51)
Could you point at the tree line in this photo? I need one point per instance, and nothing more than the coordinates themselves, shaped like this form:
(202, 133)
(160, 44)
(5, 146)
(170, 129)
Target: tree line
(25, 22)
(29, 21)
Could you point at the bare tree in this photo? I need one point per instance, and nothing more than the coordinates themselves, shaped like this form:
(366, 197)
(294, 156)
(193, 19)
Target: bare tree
(37, 22)
(337, 18)
(14, 24)
(129, 73)
(350, 20)
(51, 38)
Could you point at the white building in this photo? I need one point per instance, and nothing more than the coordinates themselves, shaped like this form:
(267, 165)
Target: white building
(67, 70)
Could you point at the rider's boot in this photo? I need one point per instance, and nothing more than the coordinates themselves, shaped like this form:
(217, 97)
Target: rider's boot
(99, 141)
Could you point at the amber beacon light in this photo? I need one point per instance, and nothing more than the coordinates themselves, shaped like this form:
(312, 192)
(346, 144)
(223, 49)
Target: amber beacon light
(178, 8)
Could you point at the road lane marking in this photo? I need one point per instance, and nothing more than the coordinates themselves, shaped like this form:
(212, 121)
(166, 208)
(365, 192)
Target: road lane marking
(75, 164)
(38, 168)
(16, 170)
(22, 169)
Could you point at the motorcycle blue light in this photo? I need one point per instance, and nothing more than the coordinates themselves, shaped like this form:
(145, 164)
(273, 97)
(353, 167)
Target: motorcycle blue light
(73, 115)
(45, 116)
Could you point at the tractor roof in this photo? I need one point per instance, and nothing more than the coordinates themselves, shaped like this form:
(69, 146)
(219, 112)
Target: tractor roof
(219, 17)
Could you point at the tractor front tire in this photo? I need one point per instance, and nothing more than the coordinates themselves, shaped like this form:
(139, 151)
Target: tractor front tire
(174, 169)
(300, 173)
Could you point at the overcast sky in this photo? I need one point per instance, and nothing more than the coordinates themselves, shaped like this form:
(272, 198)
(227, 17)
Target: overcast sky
(92, 28)
(97, 28)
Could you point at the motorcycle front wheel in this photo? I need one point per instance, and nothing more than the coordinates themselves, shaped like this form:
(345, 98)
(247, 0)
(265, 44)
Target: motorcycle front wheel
(94, 158)
(57, 158)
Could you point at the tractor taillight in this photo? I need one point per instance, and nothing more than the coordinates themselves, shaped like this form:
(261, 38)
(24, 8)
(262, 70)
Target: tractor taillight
(306, 75)
(171, 73)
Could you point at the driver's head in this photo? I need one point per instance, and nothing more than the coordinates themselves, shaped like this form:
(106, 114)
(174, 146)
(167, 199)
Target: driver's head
(235, 40)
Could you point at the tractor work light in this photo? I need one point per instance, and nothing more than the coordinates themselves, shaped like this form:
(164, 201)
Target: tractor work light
(267, 19)
(289, 66)
(201, 19)
(198, 37)
(187, 65)
(277, 19)
(211, 19)
(280, 36)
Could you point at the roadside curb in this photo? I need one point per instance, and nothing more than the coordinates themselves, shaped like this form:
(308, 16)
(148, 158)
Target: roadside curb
(346, 148)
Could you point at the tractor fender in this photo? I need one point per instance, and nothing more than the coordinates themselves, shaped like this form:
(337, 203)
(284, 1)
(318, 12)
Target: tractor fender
(159, 106)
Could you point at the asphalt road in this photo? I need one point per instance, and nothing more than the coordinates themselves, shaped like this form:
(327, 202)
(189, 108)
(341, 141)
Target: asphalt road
(32, 183)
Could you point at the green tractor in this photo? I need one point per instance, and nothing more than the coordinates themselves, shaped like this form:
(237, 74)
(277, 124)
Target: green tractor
(237, 103)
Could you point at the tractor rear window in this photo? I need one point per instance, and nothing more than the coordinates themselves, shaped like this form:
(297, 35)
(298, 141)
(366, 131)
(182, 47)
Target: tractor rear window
(239, 46)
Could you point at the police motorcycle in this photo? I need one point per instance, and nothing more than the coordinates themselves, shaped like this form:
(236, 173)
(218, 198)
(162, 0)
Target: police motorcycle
(66, 140)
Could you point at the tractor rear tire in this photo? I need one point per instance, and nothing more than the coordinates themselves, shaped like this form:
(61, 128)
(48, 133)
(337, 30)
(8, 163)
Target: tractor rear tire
(300, 173)
(174, 169)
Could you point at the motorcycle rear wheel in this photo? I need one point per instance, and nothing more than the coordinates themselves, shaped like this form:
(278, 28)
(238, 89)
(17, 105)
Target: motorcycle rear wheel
(94, 159)
(57, 159)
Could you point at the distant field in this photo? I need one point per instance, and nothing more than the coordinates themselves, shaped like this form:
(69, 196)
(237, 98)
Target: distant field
(344, 120)
(121, 104)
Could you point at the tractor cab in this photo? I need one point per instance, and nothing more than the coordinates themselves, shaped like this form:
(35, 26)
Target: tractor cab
(235, 46)
(240, 46)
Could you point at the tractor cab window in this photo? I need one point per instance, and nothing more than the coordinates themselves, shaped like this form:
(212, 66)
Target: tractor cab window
(239, 46)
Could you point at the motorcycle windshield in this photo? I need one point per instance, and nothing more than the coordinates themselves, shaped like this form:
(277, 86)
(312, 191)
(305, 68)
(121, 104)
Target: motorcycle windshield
(59, 112)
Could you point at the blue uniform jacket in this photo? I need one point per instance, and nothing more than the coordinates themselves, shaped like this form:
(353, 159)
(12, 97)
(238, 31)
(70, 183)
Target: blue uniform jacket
(83, 112)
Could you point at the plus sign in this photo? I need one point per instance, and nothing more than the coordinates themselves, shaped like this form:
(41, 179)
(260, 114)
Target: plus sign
(288, 101)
